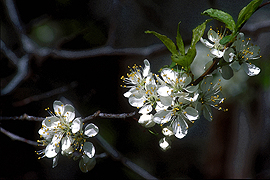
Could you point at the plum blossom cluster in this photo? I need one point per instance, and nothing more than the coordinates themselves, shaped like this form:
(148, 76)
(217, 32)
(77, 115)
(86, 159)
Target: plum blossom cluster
(62, 132)
(240, 54)
(170, 99)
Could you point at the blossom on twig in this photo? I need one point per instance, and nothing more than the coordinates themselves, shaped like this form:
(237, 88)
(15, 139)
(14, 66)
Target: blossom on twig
(63, 132)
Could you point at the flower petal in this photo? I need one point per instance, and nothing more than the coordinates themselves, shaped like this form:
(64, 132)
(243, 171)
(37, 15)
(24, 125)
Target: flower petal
(86, 164)
(191, 89)
(146, 120)
(58, 107)
(89, 149)
(166, 100)
(191, 113)
(167, 131)
(164, 91)
(226, 72)
(217, 53)
(180, 127)
(162, 117)
(168, 75)
(206, 83)
(66, 142)
(164, 143)
(213, 36)
(146, 109)
(239, 42)
(52, 121)
(229, 55)
(207, 43)
(69, 112)
(251, 69)
(207, 112)
(51, 150)
(186, 79)
(91, 130)
(146, 70)
(55, 161)
(136, 102)
(76, 125)
(236, 66)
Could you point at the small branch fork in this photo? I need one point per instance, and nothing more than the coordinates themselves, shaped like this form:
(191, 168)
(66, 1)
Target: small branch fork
(31, 49)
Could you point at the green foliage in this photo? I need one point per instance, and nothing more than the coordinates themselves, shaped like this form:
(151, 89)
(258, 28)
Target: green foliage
(166, 41)
(227, 39)
(227, 19)
(246, 12)
(179, 41)
(197, 33)
(222, 17)
(179, 56)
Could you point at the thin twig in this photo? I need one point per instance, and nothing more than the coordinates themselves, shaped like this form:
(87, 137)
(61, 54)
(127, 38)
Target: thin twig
(13, 15)
(208, 71)
(117, 156)
(22, 117)
(8, 53)
(18, 138)
(106, 115)
(102, 142)
(86, 119)
(106, 51)
(22, 71)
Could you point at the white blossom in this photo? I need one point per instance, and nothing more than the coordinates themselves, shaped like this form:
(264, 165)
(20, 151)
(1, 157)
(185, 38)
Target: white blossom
(241, 53)
(61, 132)
(135, 80)
(216, 49)
(165, 143)
(146, 120)
(210, 96)
(177, 116)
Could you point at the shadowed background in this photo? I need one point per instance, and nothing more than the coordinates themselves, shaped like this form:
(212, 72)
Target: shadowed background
(235, 145)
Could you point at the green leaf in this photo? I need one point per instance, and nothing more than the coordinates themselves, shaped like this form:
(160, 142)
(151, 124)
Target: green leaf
(179, 59)
(166, 41)
(198, 33)
(190, 55)
(179, 41)
(221, 16)
(246, 12)
(186, 60)
(226, 39)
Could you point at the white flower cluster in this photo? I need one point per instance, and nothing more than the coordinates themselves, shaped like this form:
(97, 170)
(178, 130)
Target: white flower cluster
(239, 54)
(170, 99)
(62, 132)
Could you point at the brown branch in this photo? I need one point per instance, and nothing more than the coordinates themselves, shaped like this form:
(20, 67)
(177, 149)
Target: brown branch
(105, 115)
(22, 72)
(208, 71)
(22, 117)
(102, 142)
(106, 51)
(97, 114)
(119, 157)
(18, 138)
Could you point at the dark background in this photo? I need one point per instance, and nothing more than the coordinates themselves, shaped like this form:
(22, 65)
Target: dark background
(235, 145)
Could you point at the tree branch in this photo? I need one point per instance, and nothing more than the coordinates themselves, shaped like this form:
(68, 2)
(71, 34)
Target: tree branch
(119, 157)
(18, 138)
(22, 71)
(102, 142)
